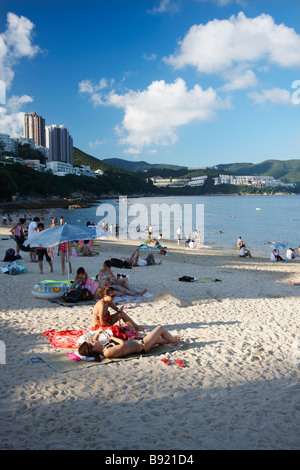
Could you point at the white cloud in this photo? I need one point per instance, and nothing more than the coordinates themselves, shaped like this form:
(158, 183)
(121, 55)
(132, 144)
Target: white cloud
(11, 116)
(96, 143)
(150, 57)
(220, 45)
(240, 80)
(273, 95)
(224, 3)
(95, 90)
(165, 6)
(152, 116)
(15, 44)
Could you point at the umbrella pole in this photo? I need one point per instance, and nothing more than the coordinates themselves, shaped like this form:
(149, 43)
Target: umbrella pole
(68, 261)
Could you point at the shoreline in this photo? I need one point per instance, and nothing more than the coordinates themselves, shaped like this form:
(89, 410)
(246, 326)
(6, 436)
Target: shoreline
(86, 202)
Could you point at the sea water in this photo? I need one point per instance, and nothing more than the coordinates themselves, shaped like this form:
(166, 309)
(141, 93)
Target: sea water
(259, 220)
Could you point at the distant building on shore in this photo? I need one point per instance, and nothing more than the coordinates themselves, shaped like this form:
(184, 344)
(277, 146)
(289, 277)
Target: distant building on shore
(253, 180)
(60, 144)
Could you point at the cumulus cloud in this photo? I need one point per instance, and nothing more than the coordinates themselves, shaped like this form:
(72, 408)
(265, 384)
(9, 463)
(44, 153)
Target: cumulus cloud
(273, 95)
(153, 116)
(95, 90)
(15, 44)
(239, 80)
(220, 45)
(11, 116)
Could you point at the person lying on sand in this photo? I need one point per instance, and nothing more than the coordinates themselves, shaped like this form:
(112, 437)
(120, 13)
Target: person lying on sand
(106, 277)
(116, 347)
(294, 283)
(101, 316)
(135, 260)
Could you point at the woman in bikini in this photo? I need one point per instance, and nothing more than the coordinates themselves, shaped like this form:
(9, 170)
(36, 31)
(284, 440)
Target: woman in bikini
(116, 347)
(101, 316)
(107, 278)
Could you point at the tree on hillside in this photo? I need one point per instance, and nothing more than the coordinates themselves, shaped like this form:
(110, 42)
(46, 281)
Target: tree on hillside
(28, 153)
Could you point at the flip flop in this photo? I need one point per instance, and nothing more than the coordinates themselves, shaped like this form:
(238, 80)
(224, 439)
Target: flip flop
(180, 363)
(166, 361)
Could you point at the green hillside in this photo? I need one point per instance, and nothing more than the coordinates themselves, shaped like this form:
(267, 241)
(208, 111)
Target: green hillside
(141, 165)
(82, 158)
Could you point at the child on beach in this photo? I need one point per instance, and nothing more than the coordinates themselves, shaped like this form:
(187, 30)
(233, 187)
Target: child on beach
(41, 252)
(82, 279)
(64, 251)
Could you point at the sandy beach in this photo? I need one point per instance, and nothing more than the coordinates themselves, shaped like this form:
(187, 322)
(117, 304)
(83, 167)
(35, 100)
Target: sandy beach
(239, 389)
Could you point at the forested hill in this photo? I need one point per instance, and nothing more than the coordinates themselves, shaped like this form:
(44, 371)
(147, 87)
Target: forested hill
(288, 171)
(141, 165)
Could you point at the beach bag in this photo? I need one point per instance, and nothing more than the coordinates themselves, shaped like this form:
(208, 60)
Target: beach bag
(14, 268)
(117, 263)
(186, 279)
(86, 295)
(73, 295)
(10, 255)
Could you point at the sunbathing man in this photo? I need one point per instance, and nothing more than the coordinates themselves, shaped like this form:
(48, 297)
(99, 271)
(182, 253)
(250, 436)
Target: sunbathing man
(116, 347)
(134, 260)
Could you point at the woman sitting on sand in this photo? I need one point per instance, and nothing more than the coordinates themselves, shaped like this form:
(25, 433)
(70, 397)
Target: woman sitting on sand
(116, 347)
(101, 317)
(107, 278)
(82, 279)
(244, 252)
(275, 256)
(84, 248)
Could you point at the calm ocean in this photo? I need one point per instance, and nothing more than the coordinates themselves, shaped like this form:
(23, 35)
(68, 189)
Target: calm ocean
(259, 220)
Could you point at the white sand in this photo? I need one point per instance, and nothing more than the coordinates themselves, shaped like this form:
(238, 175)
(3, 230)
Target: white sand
(240, 389)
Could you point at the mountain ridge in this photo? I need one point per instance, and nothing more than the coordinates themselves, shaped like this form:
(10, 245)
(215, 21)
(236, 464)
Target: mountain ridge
(286, 170)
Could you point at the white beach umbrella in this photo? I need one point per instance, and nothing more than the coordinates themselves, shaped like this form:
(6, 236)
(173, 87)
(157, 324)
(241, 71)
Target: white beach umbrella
(64, 233)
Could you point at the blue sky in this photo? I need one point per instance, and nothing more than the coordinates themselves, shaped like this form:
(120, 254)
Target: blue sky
(188, 82)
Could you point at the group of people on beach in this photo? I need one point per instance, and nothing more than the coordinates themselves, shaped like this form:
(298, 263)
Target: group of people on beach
(105, 289)
(37, 254)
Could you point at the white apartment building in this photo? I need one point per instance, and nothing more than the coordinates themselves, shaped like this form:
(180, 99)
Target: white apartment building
(60, 144)
(197, 180)
(260, 181)
(60, 168)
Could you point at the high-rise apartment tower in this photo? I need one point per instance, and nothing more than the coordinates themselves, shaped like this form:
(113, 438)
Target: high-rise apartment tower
(60, 144)
(34, 128)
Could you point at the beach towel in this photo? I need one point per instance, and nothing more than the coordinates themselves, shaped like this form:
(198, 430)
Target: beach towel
(68, 339)
(61, 362)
